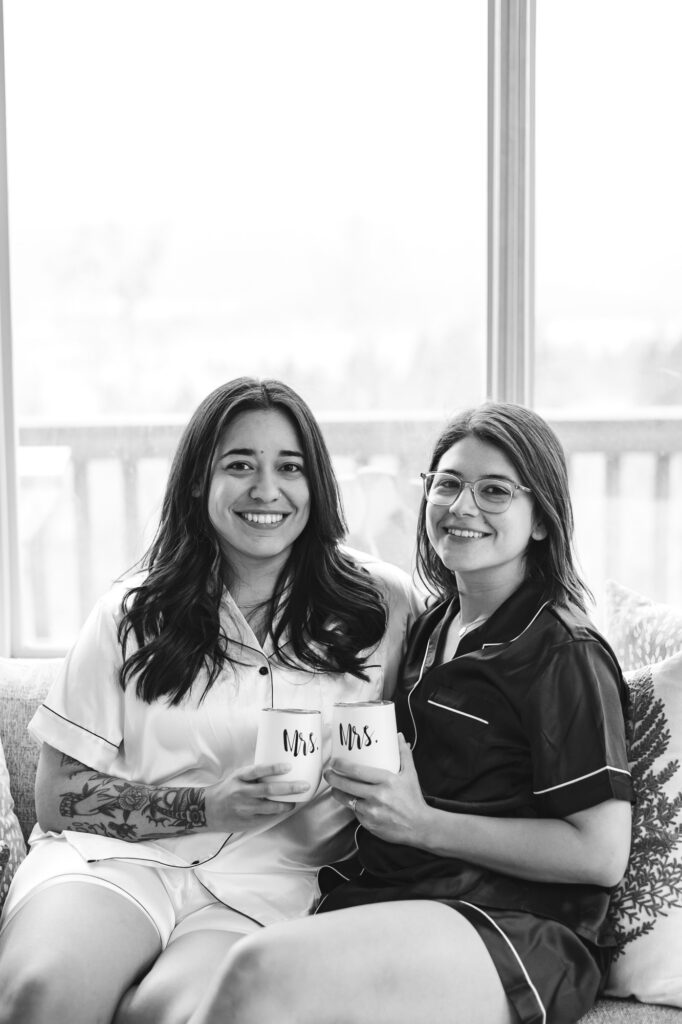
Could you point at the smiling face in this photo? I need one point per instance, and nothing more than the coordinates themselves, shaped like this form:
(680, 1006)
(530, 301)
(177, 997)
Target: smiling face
(482, 546)
(258, 499)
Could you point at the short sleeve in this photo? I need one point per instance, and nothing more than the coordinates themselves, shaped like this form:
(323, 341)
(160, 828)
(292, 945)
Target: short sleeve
(83, 713)
(574, 717)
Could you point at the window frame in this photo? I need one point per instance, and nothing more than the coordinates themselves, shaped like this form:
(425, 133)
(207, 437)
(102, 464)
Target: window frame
(510, 269)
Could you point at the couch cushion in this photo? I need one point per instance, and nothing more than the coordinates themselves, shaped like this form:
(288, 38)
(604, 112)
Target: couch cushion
(23, 685)
(647, 906)
(10, 832)
(622, 1011)
(640, 631)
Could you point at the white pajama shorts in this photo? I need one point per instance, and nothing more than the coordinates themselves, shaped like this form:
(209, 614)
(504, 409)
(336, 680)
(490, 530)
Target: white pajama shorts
(173, 899)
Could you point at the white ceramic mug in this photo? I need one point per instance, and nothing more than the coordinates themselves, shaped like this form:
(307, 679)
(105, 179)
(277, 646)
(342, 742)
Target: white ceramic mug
(365, 732)
(292, 736)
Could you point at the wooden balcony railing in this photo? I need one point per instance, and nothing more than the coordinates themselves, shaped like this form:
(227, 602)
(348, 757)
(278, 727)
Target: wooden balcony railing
(88, 495)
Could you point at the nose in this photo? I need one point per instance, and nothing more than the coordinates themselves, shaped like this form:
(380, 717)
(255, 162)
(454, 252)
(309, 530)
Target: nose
(464, 504)
(266, 487)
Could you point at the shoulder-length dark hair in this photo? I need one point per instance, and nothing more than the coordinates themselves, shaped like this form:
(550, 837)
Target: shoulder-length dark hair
(330, 607)
(536, 453)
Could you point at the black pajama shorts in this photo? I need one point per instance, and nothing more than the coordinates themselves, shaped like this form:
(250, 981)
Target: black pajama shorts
(550, 975)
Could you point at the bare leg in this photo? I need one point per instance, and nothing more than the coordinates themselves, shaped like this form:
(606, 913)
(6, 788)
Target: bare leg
(70, 953)
(389, 963)
(175, 985)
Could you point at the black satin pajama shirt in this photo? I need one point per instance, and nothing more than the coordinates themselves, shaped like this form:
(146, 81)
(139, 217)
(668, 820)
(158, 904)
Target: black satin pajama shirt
(527, 720)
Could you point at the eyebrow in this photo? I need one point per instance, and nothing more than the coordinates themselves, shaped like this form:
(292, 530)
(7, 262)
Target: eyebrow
(485, 476)
(252, 451)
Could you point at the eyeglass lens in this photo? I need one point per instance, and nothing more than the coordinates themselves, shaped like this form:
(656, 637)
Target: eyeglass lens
(489, 494)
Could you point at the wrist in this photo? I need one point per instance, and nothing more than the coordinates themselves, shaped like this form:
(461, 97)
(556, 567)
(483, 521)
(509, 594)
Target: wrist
(426, 829)
(437, 832)
(210, 805)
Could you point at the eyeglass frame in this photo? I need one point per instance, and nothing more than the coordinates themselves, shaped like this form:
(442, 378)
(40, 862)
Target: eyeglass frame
(471, 484)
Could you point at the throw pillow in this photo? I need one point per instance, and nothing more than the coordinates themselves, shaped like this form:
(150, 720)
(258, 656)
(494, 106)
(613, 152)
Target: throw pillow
(640, 630)
(10, 831)
(4, 857)
(646, 911)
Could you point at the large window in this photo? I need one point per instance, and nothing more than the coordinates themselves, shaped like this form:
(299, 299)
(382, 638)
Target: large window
(609, 266)
(207, 190)
(345, 195)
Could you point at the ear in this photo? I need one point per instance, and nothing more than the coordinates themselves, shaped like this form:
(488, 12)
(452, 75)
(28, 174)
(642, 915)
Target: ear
(539, 531)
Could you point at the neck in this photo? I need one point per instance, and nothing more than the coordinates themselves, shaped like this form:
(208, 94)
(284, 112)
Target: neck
(480, 597)
(252, 584)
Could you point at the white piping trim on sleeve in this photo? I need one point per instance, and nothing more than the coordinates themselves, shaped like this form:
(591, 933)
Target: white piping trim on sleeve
(581, 778)
(531, 986)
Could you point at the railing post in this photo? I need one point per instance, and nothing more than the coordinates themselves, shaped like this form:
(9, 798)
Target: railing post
(663, 534)
(612, 531)
(131, 484)
(81, 487)
(511, 210)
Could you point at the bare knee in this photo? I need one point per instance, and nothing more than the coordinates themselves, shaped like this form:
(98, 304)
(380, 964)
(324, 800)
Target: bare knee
(141, 1005)
(30, 993)
(258, 982)
(151, 1000)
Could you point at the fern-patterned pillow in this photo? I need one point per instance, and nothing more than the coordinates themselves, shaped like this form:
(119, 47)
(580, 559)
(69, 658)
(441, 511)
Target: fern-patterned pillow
(640, 630)
(646, 911)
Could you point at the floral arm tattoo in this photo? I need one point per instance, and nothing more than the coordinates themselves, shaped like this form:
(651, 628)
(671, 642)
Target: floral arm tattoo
(107, 806)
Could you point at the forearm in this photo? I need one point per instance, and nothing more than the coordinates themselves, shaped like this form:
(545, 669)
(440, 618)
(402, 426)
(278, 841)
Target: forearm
(585, 848)
(77, 798)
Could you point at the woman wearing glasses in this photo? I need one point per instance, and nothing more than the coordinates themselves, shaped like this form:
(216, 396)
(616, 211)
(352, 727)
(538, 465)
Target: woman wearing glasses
(484, 867)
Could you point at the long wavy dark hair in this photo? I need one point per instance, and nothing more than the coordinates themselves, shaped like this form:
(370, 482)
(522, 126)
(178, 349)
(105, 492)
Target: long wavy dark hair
(330, 606)
(536, 453)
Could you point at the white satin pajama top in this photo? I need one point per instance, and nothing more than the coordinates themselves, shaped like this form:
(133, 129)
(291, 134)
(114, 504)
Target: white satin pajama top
(268, 872)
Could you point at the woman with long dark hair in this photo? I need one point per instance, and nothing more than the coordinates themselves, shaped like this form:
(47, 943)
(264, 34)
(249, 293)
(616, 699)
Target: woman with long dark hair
(160, 842)
(480, 886)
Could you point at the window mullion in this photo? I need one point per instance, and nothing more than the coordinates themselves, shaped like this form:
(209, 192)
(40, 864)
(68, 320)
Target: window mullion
(9, 546)
(511, 200)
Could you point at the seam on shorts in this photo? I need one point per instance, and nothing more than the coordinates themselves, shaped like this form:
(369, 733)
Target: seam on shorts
(74, 876)
(515, 954)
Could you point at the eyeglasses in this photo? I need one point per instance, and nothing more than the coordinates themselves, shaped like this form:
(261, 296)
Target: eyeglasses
(489, 493)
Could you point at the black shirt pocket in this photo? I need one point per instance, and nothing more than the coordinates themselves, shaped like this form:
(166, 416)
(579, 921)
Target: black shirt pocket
(456, 733)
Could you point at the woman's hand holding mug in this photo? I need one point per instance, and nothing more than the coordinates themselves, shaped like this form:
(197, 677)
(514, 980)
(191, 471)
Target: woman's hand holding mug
(390, 805)
(235, 803)
(288, 770)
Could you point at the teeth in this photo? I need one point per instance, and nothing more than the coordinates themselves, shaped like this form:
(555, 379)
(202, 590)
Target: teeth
(264, 518)
(466, 533)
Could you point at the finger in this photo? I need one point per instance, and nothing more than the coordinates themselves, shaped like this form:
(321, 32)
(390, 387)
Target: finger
(405, 751)
(347, 790)
(346, 769)
(273, 807)
(275, 789)
(342, 797)
(257, 772)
